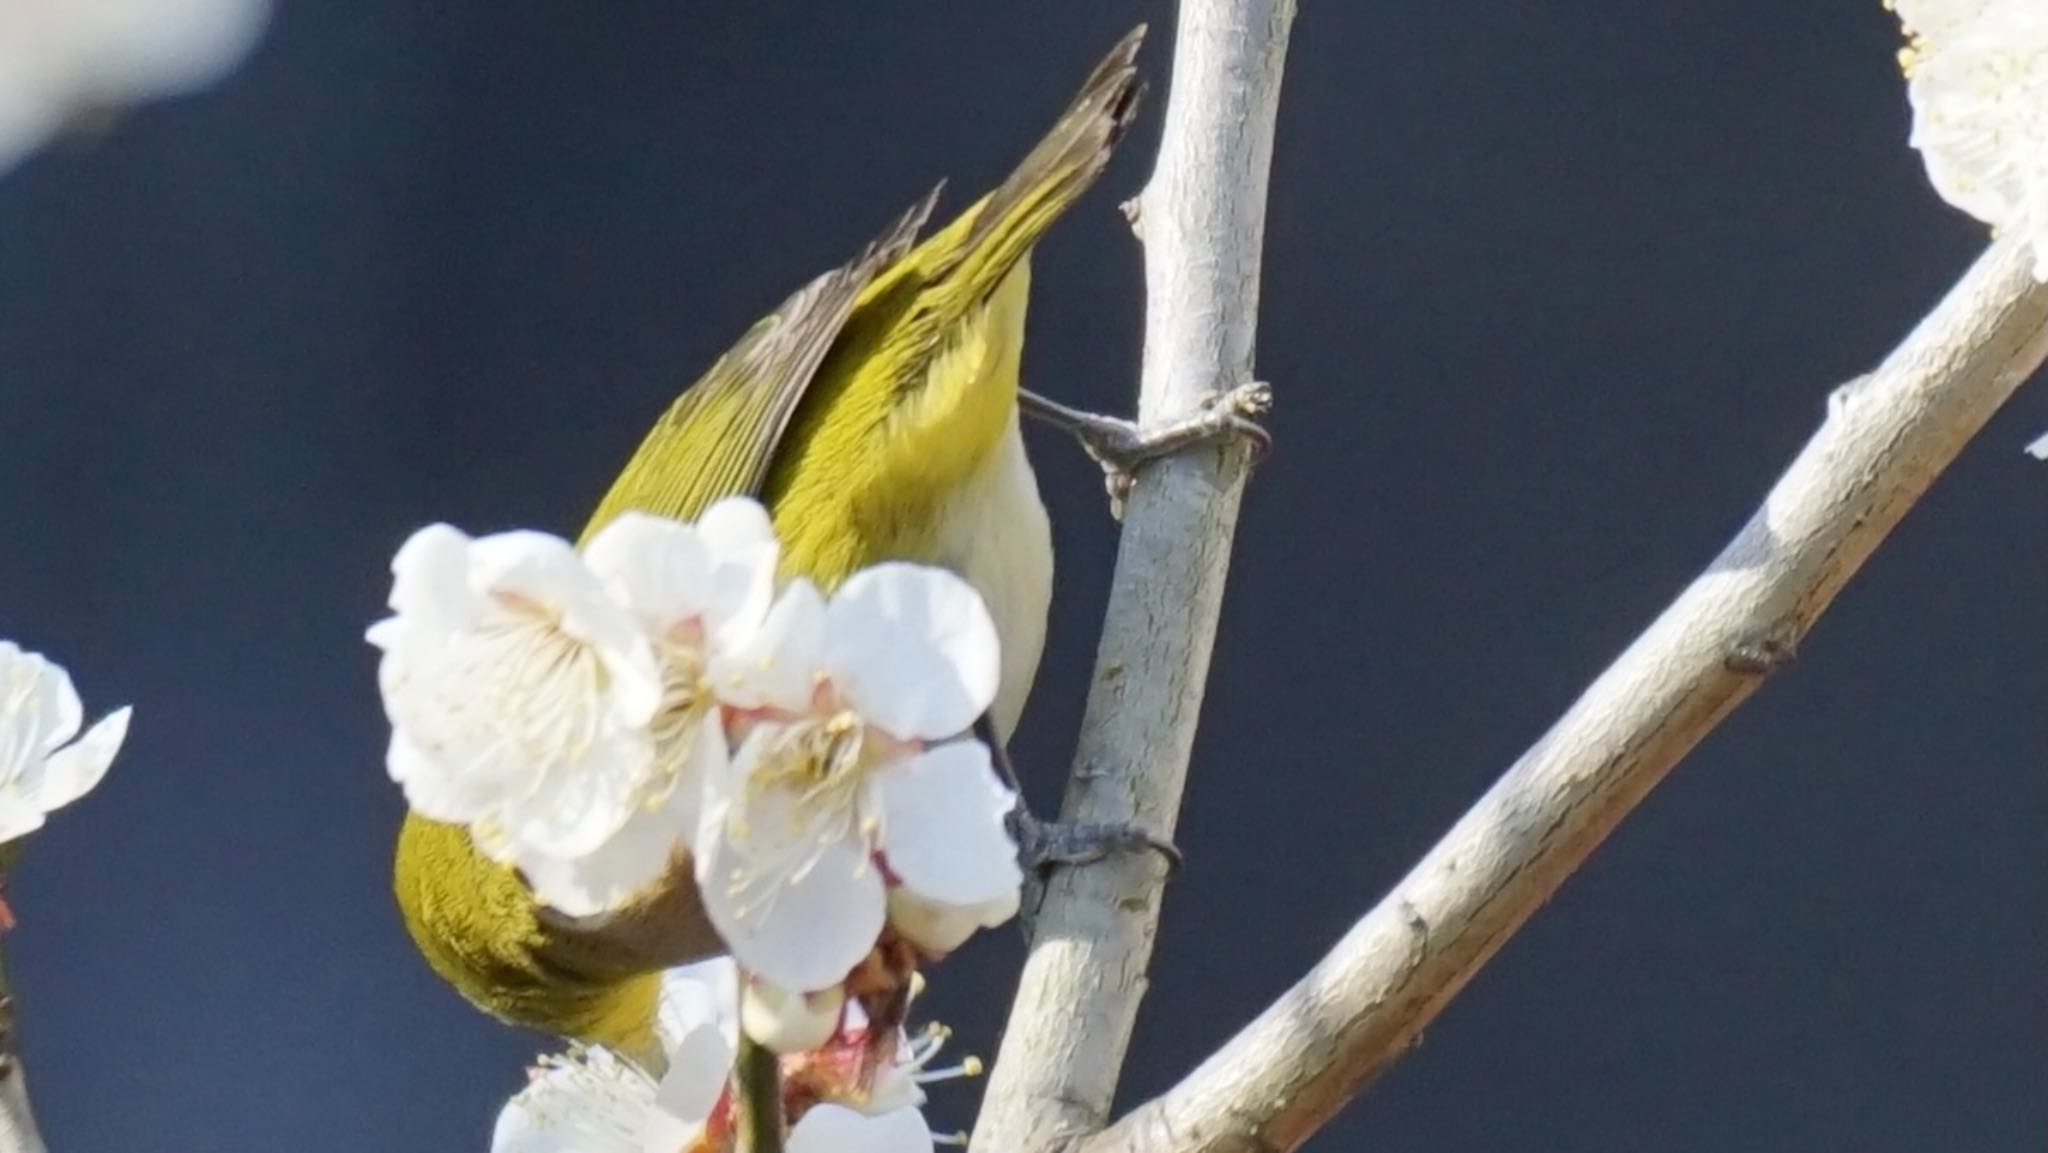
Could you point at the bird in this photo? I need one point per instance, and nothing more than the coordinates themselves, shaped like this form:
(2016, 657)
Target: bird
(876, 414)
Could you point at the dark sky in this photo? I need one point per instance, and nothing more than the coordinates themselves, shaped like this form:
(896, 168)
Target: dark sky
(1553, 291)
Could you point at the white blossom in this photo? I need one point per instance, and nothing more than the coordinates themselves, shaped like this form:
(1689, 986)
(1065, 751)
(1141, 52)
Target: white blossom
(829, 1128)
(590, 1100)
(61, 57)
(692, 589)
(1977, 78)
(593, 1101)
(41, 768)
(520, 694)
(836, 791)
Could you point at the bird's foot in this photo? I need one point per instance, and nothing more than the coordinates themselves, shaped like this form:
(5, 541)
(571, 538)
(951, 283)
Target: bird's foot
(1043, 844)
(1122, 446)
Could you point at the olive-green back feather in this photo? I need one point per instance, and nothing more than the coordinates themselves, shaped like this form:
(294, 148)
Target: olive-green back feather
(736, 412)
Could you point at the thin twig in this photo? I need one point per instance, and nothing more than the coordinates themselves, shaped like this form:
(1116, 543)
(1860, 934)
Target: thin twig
(1204, 218)
(757, 1093)
(1885, 439)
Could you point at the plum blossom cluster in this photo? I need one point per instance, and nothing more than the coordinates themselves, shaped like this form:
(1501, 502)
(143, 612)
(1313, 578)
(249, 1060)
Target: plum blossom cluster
(860, 1093)
(601, 718)
(61, 58)
(42, 767)
(1977, 79)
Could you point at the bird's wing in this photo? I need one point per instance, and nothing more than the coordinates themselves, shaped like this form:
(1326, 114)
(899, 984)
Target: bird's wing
(735, 414)
(906, 315)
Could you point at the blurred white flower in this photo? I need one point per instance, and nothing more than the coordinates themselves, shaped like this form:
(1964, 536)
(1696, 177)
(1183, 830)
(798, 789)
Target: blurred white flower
(519, 692)
(829, 1128)
(583, 1101)
(1977, 78)
(592, 1101)
(41, 768)
(61, 57)
(834, 793)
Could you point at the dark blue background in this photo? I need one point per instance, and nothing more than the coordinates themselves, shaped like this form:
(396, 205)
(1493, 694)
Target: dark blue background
(1552, 293)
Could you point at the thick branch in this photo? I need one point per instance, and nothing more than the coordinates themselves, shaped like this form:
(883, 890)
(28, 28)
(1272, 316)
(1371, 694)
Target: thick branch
(1202, 218)
(1884, 441)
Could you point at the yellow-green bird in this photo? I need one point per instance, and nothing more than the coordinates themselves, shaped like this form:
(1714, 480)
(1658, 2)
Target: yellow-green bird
(875, 413)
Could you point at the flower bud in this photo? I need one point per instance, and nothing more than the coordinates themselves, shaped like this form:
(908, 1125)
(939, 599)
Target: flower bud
(788, 1022)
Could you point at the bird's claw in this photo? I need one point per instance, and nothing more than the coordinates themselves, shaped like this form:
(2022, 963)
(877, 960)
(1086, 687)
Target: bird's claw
(1122, 446)
(1043, 844)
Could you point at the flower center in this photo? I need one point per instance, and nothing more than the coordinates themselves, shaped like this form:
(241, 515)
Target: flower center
(546, 687)
(803, 797)
(686, 702)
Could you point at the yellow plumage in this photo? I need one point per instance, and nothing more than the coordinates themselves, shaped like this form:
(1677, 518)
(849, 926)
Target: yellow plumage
(875, 414)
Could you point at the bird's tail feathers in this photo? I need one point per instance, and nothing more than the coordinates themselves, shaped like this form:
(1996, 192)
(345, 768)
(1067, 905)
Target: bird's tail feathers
(1059, 170)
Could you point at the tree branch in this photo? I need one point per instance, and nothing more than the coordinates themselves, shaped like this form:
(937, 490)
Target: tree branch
(1202, 219)
(18, 1132)
(1885, 439)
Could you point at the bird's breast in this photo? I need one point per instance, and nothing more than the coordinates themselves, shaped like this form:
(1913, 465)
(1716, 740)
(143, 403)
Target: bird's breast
(994, 532)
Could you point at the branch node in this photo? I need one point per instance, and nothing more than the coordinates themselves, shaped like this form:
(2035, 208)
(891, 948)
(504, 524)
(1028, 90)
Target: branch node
(1764, 653)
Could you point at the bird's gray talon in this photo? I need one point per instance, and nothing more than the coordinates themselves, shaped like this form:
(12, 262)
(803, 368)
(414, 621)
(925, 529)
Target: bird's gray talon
(1044, 844)
(1123, 446)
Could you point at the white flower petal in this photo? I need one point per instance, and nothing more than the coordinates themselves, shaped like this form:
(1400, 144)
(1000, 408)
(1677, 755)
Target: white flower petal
(55, 705)
(654, 566)
(698, 1067)
(700, 995)
(623, 867)
(742, 591)
(703, 761)
(938, 928)
(587, 1102)
(387, 634)
(735, 524)
(123, 50)
(18, 818)
(777, 665)
(579, 804)
(804, 931)
(668, 1133)
(71, 772)
(547, 571)
(39, 714)
(430, 579)
(435, 792)
(913, 649)
(836, 1129)
(943, 829)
